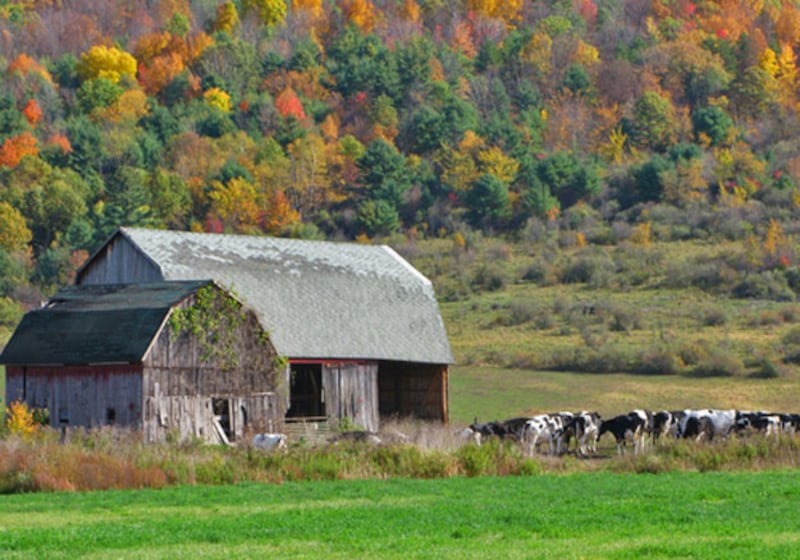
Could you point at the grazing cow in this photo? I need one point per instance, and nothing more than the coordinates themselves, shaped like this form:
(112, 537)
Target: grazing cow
(665, 423)
(699, 428)
(763, 422)
(269, 442)
(625, 428)
(546, 427)
(789, 423)
(561, 430)
(722, 421)
(585, 428)
(537, 429)
(647, 428)
(471, 435)
(513, 428)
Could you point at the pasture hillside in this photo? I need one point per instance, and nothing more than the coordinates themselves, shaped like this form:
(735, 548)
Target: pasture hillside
(609, 328)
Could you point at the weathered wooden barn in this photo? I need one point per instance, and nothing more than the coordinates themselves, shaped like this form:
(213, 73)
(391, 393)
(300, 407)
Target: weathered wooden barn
(359, 325)
(182, 357)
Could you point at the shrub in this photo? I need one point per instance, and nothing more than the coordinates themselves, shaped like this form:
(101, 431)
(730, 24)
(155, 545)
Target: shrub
(789, 313)
(625, 319)
(692, 353)
(659, 361)
(606, 359)
(792, 338)
(489, 278)
(719, 363)
(540, 272)
(766, 317)
(714, 317)
(20, 420)
(452, 289)
(520, 313)
(587, 269)
(767, 369)
(765, 285)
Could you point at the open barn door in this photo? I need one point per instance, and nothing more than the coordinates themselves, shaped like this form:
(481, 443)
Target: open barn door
(307, 397)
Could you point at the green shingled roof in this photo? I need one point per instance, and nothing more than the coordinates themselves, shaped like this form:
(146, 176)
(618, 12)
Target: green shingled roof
(95, 324)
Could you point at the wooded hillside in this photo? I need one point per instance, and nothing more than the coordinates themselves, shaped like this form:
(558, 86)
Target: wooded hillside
(609, 120)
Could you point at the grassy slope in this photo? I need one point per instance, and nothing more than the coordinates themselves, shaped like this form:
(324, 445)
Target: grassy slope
(488, 382)
(730, 515)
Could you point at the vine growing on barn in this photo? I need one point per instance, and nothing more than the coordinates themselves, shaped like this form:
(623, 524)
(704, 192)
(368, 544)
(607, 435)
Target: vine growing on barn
(218, 321)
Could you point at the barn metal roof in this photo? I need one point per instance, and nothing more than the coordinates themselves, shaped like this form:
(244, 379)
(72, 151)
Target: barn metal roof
(102, 324)
(317, 299)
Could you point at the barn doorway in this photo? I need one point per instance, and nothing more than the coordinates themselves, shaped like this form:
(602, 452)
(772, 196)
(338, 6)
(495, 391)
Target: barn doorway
(307, 397)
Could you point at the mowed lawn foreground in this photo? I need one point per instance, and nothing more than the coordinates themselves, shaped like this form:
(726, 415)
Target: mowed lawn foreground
(598, 515)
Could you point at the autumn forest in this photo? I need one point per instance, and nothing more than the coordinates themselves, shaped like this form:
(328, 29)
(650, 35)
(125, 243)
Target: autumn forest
(362, 119)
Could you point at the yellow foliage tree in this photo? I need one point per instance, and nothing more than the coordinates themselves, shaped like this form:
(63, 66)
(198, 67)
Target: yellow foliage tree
(585, 54)
(495, 162)
(787, 74)
(459, 169)
(310, 182)
(14, 233)
(506, 10)
(410, 11)
(269, 12)
(215, 97)
(227, 17)
(235, 203)
(104, 62)
(538, 53)
(129, 107)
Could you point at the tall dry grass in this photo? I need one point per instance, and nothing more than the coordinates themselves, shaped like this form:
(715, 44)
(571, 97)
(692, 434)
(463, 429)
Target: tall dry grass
(111, 458)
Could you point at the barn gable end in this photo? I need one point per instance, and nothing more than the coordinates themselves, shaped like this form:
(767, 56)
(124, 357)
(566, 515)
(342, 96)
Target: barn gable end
(109, 354)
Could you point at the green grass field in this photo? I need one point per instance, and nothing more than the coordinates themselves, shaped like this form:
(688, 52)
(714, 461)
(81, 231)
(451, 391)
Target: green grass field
(715, 515)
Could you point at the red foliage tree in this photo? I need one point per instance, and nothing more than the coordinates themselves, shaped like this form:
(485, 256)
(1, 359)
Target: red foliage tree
(289, 105)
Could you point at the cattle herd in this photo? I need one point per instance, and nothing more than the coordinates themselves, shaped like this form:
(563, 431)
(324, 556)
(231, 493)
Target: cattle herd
(564, 432)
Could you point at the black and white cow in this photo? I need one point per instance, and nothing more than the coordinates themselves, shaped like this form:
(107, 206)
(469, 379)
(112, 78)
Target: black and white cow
(666, 423)
(761, 422)
(626, 428)
(698, 428)
(585, 428)
(540, 429)
(722, 421)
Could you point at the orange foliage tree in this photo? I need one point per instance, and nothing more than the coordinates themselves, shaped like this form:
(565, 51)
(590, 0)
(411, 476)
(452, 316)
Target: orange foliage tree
(32, 112)
(279, 215)
(16, 148)
(361, 13)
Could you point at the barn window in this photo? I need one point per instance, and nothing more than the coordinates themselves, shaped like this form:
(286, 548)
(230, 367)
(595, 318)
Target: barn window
(111, 416)
(63, 416)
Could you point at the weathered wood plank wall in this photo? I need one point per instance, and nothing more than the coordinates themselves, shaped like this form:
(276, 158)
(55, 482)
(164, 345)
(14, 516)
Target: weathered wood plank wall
(91, 395)
(351, 391)
(120, 263)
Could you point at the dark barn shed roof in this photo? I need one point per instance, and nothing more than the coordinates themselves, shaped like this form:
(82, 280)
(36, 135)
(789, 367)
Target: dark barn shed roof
(317, 299)
(100, 324)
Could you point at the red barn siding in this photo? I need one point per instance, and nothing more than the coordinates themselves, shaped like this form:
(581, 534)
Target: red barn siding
(80, 395)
